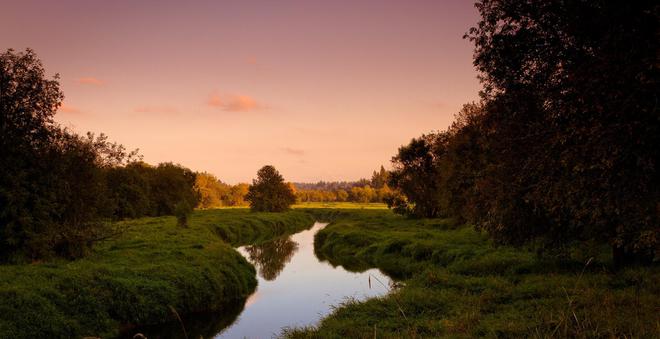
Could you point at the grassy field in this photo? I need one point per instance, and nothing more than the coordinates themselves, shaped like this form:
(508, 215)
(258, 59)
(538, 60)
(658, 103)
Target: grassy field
(138, 276)
(457, 284)
(341, 205)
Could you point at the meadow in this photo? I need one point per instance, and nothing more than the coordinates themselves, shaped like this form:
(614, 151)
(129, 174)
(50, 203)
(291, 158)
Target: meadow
(341, 205)
(456, 283)
(153, 268)
(452, 280)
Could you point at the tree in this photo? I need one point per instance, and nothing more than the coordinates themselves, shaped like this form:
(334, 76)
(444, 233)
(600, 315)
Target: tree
(210, 189)
(171, 185)
(269, 192)
(571, 91)
(28, 102)
(380, 178)
(52, 188)
(75, 182)
(236, 195)
(342, 195)
(129, 191)
(414, 174)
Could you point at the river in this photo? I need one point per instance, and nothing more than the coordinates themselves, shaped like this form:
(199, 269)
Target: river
(295, 288)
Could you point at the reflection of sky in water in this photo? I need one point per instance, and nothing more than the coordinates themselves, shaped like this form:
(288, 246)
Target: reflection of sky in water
(302, 293)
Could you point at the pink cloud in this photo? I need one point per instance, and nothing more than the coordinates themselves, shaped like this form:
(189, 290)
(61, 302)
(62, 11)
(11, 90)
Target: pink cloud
(215, 101)
(233, 103)
(64, 108)
(157, 109)
(90, 81)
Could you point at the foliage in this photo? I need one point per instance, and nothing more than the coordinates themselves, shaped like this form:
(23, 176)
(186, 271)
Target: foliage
(361, 191)
(237, 195)
(269, 192)
(214, 193)
(51, 180)
(172, 184)
(182, 211)
(414, 175)
(129, 191)
(457, 283)
(133, 278)
(379, 179)
(58, 188)
(562, 147)
(210, 189)
(572, 90)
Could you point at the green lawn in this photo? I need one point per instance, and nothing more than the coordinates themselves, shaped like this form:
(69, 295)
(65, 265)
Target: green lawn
(457, 284)
(341, 205)
(137, 277)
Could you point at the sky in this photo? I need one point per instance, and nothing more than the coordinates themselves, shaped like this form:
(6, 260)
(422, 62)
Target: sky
(322, 90)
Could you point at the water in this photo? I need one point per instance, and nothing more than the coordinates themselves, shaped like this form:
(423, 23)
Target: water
(295, 288)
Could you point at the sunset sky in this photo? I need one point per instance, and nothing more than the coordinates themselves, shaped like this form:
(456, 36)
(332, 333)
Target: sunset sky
(321, 90)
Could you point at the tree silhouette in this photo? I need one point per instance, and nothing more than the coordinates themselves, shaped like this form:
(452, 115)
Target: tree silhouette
(572, 105)
(269, 192)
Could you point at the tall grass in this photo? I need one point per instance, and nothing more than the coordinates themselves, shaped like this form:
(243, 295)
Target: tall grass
(459, 285)
(135, 278)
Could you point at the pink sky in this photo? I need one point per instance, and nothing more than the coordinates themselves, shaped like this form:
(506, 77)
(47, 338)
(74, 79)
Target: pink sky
(322, 90)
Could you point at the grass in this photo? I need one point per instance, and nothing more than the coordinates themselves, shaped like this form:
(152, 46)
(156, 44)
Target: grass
(341, 205)
(136, 278)
(457, 284)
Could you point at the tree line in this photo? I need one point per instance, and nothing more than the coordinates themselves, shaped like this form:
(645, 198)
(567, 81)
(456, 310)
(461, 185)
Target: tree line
(214, 193)
(563, 146)
(364, 190)
(59, 189)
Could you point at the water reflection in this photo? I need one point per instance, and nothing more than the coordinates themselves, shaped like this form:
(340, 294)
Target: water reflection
(271, 257)
(304, 289)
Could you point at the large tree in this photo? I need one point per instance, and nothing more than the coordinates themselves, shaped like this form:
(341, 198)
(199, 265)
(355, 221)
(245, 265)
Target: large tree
(571, 92)
(51, 186)
(269, 192)
(415, 174)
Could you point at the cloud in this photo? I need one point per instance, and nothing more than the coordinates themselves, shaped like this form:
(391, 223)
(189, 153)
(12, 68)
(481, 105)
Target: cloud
(157, 109)
(68, 109)
(251, 61)
(293, 151)
(90, 81)
(233, 103)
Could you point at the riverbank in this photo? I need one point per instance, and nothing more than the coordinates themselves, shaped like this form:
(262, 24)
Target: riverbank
(458, 284)
(136, 278)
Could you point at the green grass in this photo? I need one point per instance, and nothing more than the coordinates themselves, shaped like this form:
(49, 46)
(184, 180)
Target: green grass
(341, 205)
(135, 278)
(457, 284)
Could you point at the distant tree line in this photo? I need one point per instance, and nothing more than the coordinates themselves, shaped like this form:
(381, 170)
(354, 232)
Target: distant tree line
(215, 193)
(58, 189)
(564, 145)
(363, 190)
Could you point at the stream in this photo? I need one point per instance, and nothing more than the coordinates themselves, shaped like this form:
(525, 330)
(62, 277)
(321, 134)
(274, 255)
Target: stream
(294, 289)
